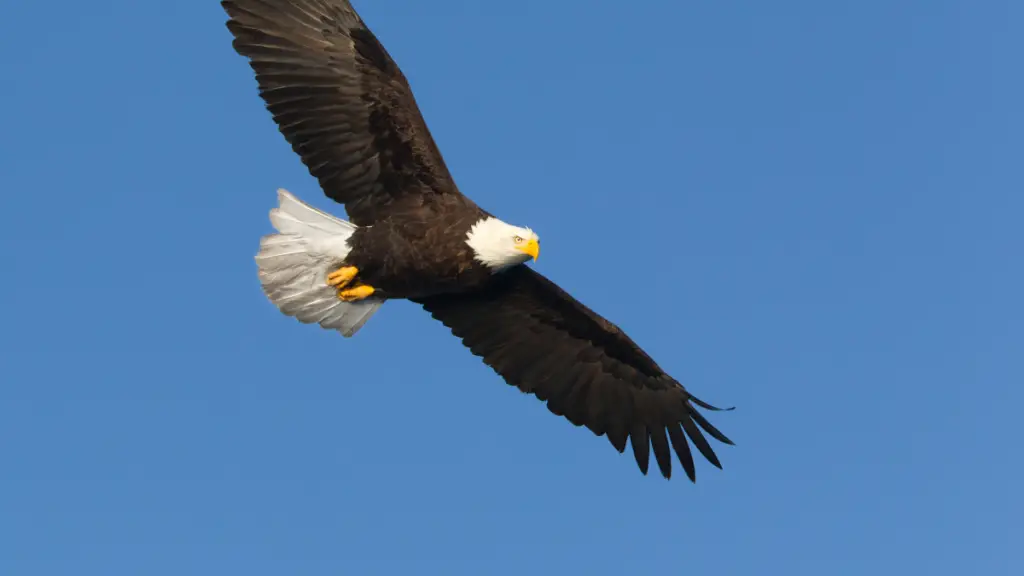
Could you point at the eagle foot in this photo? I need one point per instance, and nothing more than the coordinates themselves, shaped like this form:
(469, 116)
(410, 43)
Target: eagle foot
(342, 276)
(356, 293)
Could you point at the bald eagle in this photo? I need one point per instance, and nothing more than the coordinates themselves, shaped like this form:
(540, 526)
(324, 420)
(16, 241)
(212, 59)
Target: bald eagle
(348, 112)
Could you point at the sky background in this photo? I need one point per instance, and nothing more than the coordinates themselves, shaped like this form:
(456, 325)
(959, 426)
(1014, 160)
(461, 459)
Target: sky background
(809, 210)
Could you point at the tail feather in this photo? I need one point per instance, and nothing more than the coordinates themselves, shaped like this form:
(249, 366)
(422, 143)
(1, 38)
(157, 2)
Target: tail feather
(293, 266)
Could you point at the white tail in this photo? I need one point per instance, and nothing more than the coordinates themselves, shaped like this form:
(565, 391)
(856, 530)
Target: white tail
(293, 266)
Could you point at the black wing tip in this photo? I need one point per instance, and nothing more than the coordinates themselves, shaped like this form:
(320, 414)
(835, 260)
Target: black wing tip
(716, 463)
(707, 406)
(692, 477)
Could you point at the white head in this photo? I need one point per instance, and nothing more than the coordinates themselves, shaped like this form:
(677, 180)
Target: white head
(499, 245)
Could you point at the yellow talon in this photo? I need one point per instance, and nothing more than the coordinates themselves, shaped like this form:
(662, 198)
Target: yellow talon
(357, 293)
(342, 276)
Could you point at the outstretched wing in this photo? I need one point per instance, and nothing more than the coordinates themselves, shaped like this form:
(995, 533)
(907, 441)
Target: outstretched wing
(542, 340)
(341, 102)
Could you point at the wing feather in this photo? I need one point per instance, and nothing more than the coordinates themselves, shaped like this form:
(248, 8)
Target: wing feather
(342, 103)
(543, 341)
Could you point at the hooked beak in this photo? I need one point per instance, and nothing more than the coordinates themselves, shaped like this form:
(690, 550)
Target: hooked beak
(532, 248)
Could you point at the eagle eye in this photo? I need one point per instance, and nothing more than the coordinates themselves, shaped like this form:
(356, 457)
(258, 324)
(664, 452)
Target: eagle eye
(518, 239)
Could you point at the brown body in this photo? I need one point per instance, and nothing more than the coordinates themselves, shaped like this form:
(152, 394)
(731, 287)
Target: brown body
(419, 253)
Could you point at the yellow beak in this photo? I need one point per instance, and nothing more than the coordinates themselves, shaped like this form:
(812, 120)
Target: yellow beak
(532, 247)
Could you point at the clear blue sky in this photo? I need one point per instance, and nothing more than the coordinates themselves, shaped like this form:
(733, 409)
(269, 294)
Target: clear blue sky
(809, 210)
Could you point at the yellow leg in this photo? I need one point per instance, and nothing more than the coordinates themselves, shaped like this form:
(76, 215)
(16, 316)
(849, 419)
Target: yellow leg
(356, 293)
(342, 276)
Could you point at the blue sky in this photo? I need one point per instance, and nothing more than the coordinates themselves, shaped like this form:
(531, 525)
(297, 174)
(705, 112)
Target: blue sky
(809, 210)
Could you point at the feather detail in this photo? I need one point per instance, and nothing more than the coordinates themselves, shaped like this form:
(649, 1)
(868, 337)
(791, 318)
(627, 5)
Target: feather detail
(293, 266)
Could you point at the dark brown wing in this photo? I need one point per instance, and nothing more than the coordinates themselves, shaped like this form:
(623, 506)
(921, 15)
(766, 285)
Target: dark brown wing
(542, 340)
(341, 102)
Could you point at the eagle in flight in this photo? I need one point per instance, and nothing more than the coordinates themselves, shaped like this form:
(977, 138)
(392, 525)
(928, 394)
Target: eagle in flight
(348, 112)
